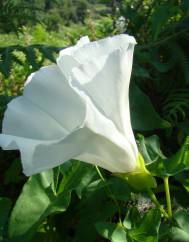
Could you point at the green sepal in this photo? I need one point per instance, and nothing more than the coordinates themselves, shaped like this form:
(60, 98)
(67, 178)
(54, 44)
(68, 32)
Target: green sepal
(140, 179)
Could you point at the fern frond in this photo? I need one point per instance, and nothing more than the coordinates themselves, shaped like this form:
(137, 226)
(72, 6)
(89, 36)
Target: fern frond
(176, 105)
(8, 57)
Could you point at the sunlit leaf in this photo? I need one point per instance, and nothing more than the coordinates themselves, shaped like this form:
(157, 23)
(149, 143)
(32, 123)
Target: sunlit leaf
(37, 201)
(112, 232)
(181, 231)
(148, 229)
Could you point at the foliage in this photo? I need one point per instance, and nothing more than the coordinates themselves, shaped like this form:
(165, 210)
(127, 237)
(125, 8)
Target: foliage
(75, 10)
(14, 15)
(17, 13)
(75, 202)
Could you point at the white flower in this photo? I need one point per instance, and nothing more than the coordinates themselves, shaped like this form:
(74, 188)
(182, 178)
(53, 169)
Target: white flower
(121, 24)
(77, 108)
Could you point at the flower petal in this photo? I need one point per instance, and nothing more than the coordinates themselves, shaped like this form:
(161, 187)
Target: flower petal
(117, 157)
(96, 141)
(106, 82)
(40, 155)
(24, 119)
(81, 53)
(66, 60)
(83, 144)
(50, 91)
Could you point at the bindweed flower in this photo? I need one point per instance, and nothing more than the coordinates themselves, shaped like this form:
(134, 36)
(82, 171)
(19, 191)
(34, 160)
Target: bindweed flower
(77, 108)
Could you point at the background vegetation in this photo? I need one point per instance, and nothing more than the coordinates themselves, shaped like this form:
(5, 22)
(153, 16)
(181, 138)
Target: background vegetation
(82, 208)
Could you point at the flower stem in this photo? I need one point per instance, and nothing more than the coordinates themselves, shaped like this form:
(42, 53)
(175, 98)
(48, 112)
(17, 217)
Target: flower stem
(168, 198)
(99, 173)
(156, 202)
(108, 190)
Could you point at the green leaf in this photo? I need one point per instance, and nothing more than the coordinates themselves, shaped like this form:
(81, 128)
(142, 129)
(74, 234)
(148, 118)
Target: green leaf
(6, 62)
(143, 115)
(179, 235)
(46, 197)
(160, 17)
(180, 196)
(48, 52)
(30, 53)
(132, 218)
(150, 148)
(157, 163)
(5, 205)
(164, 232)
(37, 201)
(183, 179)
(180, 161)
(185, 5)
(152, 154)
(112, 232)
(183, 130)
(157, 168)
(148, 229)
(95, 206)
(120, 189)
(77, 175)
(181, 231)
(14, 173)
(140, 72)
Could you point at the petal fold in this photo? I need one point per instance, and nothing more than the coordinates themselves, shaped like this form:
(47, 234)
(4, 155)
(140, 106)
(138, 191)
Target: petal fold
(105, 80)
(50, 91)
(81, 53)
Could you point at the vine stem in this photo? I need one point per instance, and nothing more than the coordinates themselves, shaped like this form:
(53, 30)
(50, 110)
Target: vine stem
(168, 198)
(156, 202)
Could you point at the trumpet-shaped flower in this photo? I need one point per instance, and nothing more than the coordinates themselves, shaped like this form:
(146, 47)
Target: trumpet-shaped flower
(77, 108)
